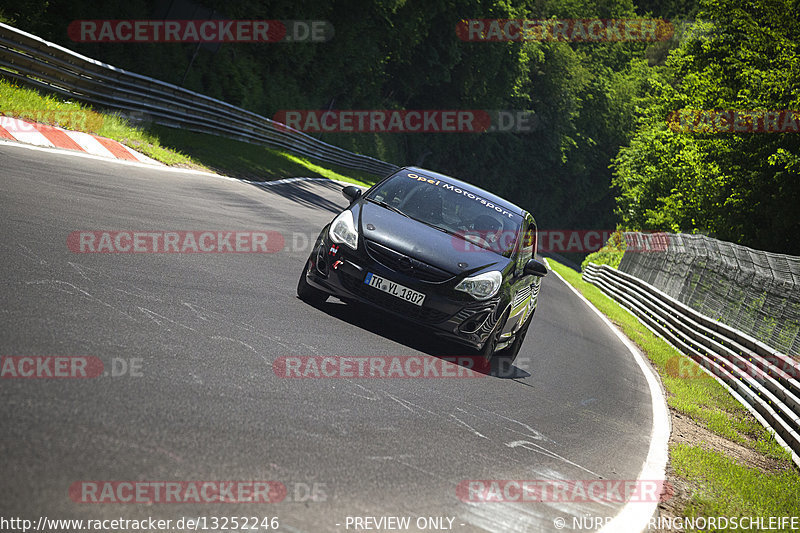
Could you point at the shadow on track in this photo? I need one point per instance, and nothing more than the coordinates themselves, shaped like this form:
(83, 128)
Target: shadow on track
(300, 192)
(408, 334)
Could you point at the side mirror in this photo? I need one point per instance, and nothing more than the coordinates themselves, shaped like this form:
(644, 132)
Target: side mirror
(351, 192)
(535, 267)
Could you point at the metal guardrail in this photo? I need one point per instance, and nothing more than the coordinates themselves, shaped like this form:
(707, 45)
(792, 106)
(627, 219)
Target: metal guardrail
(36, 62)
(753, 291)
(764, 380)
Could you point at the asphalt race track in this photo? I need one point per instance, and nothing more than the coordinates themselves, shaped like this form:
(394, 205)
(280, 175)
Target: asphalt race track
(199, 400)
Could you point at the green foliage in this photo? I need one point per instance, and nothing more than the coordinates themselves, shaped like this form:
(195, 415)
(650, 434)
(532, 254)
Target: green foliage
(740, 187)
(397, 55)
(589, 99)
(610, 254)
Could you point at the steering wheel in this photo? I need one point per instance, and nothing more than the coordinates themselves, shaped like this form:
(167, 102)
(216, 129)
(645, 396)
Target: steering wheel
(483, 225)
(477, 239)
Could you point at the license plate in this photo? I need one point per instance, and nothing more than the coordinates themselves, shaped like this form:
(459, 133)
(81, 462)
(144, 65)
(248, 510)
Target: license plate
(395, 289)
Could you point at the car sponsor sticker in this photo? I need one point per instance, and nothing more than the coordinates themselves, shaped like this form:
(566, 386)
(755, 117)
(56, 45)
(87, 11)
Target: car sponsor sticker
(452, 188)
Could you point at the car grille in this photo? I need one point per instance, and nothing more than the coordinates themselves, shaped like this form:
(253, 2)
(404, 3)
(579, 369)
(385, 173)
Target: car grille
(405, 264)
(387, 301)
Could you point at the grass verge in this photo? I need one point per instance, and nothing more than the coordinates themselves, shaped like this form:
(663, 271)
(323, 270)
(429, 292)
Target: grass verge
(249, 161)
(171, 146)
(725, 488)
(720, 484)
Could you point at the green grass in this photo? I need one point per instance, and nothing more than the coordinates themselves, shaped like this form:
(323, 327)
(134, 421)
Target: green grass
(250, 161)
(726, 488)
(723, 486)
(29, 104)
(171, 146)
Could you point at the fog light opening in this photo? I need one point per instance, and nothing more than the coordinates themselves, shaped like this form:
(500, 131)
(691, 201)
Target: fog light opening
(474, 323)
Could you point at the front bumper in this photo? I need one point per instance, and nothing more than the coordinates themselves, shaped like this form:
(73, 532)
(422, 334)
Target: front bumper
(340, 271)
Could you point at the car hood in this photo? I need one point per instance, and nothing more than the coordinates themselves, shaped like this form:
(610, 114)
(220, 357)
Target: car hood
(422, 242)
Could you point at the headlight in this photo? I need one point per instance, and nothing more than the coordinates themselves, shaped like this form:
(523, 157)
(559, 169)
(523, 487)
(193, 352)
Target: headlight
(343, 231)
(482, 286)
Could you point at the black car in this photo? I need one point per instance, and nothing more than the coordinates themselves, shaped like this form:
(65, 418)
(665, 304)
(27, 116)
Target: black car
(434, 250)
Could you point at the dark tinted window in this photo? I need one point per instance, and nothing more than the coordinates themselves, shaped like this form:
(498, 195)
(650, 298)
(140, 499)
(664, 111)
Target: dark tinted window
(439, 203)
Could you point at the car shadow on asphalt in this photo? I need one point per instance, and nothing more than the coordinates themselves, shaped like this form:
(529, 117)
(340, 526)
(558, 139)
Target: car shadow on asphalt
(411, 335)
(302, 192)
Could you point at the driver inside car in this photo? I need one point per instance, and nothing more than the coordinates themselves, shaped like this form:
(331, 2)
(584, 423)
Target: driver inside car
(489, 229)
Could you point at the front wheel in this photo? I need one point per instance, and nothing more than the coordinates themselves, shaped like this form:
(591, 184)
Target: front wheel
(510, 353)
(488, 351)
(307, 293)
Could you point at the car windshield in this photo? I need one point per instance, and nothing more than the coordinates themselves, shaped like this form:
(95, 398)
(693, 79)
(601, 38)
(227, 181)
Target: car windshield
(449, 208)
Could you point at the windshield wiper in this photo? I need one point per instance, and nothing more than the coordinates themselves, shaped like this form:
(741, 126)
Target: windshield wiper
(387, 206)
(440, 228)
(393, 208)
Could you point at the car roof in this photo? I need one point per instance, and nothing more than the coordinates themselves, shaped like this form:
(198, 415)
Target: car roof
(497, 200)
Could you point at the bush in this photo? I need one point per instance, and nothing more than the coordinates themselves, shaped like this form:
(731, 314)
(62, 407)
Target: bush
(610, 254)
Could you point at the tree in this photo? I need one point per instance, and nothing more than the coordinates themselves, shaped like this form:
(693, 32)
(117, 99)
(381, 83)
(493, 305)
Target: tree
(742, 187)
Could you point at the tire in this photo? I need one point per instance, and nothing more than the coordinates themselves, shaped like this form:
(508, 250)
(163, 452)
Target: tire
(510, 353)
(307, 293)
(488, 350)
